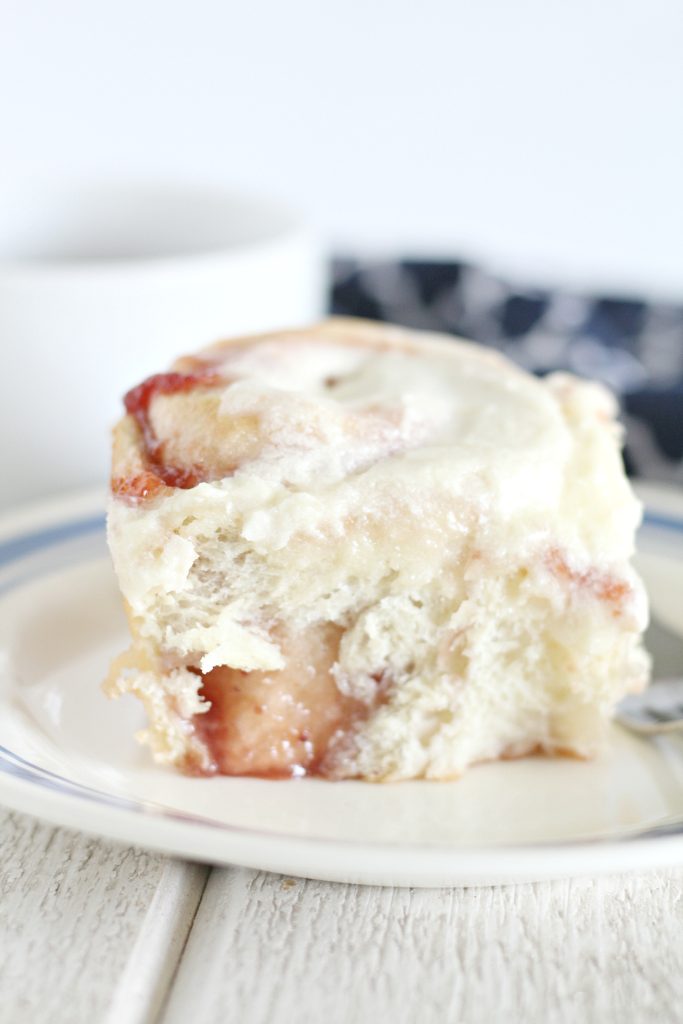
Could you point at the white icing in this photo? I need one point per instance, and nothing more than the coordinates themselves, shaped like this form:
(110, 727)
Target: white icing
(461, 412)
(387, 471)
(447, 415)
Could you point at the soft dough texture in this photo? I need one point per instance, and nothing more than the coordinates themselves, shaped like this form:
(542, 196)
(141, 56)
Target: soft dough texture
(358, 551)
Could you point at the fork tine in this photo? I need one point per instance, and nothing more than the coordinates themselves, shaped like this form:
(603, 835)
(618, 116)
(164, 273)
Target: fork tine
(659, 716)
(658, 709)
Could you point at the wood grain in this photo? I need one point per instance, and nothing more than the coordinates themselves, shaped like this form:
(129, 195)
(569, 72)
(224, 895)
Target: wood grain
(271, 950)
(90, 932)
(93, 933)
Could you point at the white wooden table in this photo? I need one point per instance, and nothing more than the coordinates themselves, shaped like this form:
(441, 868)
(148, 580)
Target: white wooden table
(94, 933)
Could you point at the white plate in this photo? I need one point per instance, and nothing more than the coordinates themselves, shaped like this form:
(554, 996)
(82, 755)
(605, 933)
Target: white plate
(67, 755)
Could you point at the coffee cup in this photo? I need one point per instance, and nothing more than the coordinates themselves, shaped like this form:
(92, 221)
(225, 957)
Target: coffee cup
(103, 285)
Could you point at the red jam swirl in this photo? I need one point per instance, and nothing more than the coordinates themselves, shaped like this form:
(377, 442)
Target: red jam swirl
(158, 473)
(278, 725)
(605, 587)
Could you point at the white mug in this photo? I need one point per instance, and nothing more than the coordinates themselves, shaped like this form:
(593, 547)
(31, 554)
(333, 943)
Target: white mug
(103, 286)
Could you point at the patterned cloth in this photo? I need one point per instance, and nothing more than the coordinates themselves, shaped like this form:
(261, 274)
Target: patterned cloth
(634, 347)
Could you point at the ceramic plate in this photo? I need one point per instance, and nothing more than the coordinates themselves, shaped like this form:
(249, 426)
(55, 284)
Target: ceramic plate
(67, 755)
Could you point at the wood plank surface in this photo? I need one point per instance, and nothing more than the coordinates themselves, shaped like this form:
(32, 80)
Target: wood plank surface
(90, 932)
(94, 933)
(271, 950)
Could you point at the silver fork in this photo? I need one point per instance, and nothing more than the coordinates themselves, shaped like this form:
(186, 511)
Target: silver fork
(660, 707)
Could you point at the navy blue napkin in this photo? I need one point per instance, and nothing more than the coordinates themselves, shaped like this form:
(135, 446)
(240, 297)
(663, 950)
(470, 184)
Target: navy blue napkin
(634, 347)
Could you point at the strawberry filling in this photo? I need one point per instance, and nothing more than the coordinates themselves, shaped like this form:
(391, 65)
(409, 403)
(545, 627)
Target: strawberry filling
(279, 724)
(159, 473)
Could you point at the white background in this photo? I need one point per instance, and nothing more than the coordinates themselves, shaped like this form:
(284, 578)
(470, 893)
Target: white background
(544, 137)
